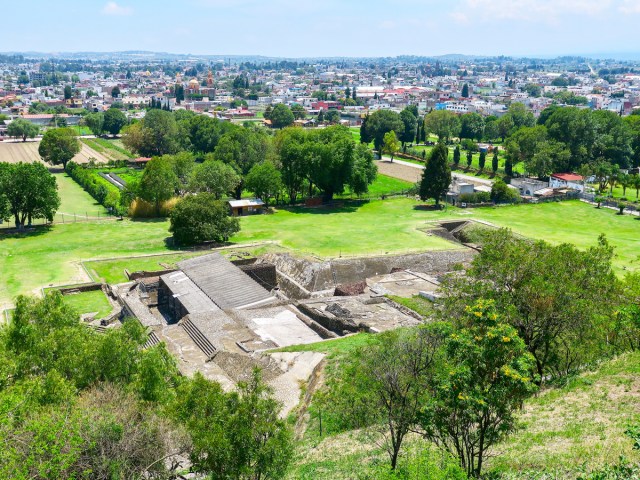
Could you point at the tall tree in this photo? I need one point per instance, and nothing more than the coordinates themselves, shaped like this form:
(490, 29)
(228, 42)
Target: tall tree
(410, 122)
(67, 92)
(95, 123)
(159, 182)
(21, 128)
(156, 134)
(379, 123)
(201, 218)
(390, 144)
(58, 146)
(465, 91)
(281, 116)
(482, 160)
(214, 177)
(456, 155)
(264, 180)
(494, 160)
(442, 123)
(472, 126)
(436, 176)
(114, 121)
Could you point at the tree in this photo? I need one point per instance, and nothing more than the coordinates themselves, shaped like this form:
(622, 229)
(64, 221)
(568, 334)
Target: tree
(501, 193)
(264, 180)
(456, 155)
(58, 146)
(22, 128)
(115, 92)
(202, 218)
(378, 124)
(436, 176)
(291, 147)
(67, 92)
(635, 179)
(364, 171)
(390, 144)
(179, 92)
(242, 148)
(159, 182)
(214, 177)
(332, 117)
(442, 123)
(469, 158)
(366, 136)
(235, 435)
(156, 134)
(557, 297)
(114, 121)
(267, 112)
(298, 111)
(95, 123)
(472, 126)
(281, 116)
(482, 160)
(494, 161)
(410, 121)
(508, 167)
(482, 384)
(465, 91)
(321, 116)
(27, 191)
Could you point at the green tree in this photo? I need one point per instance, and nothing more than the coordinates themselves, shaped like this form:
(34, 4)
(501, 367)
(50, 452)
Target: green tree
(465, 91)
(202, 218)
(456, 155)
(410, 122)
(159, 182)
(115, 92)
(281, 116)
(390, 144)
(472, 126)
(436, 176)
(364, 171)
(214, 177)
(482, 160)
(264, 180)
(298, 111)
(67, 92)
(378, 124)
(27, 191)
(95, 123)
(502, 193)
(332, 117)
(156, 134)
(494, 161)
(442, 123)
(114, 121)
(481, 386)
(58, 146)
(469, 158)
(291, 147)
(22, 128)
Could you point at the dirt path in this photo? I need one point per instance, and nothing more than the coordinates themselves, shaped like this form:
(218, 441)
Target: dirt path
(397, 170)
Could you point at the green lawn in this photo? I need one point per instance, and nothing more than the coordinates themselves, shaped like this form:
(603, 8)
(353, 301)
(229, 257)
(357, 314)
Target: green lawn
(74, 199)
(51, 256)
(571, 222)
(90, 302)
(333, 348)
(377, 227)
(383, 185)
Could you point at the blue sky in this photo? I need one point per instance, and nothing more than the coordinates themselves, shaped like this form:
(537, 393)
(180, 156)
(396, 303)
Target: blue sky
(323, 27)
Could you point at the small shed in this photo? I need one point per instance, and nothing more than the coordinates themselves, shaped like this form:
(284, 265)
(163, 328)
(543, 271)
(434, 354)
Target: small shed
(248, 206)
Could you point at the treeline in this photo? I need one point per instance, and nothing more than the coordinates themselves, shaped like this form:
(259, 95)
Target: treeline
(85, 405)
(526, 314)
(100, 189)
(291, 163)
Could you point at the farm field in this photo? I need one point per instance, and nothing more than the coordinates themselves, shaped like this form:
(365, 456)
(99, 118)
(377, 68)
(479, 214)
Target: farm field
(14, 152)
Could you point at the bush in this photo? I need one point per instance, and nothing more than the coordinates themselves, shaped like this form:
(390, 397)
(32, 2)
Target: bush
(104, 192)
(476, 197)
(469, 145)
(501, 193)
(142, 209)
(201, 218)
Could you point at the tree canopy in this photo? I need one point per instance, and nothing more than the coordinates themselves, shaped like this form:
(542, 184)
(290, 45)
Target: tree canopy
(202, 218)
(59, 146)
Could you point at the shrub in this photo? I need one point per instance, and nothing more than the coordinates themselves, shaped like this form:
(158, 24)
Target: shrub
(201, 218)
(501, 193)
(104, 192)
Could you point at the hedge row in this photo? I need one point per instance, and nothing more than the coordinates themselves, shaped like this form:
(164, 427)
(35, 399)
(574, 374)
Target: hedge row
(104, 192)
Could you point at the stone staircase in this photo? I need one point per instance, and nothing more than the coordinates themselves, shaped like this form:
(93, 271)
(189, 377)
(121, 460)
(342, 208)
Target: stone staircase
(198, 338)
(152, 340)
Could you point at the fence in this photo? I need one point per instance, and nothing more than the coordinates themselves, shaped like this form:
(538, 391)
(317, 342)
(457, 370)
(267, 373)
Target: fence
(64, 218)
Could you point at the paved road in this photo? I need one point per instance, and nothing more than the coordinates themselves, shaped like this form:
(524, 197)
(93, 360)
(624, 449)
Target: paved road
(388, 170)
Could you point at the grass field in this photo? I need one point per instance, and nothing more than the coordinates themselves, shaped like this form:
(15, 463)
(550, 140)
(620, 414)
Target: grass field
(383, 185)
(53, 256)
(570, 222)
(90, 302)
(376, 227)
(74, 199)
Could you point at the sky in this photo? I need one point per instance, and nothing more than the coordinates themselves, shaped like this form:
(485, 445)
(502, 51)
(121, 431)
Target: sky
(313, 28)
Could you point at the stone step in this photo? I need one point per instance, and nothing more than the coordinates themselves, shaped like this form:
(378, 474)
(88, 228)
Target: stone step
(198, 338)
(152, 340)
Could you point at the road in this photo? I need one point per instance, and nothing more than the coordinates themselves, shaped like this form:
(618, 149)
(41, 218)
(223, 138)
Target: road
(411, 172)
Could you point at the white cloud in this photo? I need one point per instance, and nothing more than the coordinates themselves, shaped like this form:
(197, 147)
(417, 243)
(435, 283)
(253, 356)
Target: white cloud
(630, 6)
(112, 8)
(539, 11)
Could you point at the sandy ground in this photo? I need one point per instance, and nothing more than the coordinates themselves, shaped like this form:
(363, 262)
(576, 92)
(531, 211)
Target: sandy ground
(14, 152)
(397, 170)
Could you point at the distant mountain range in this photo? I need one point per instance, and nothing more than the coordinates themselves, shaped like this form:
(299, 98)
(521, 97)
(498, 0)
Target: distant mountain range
(156, 56)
